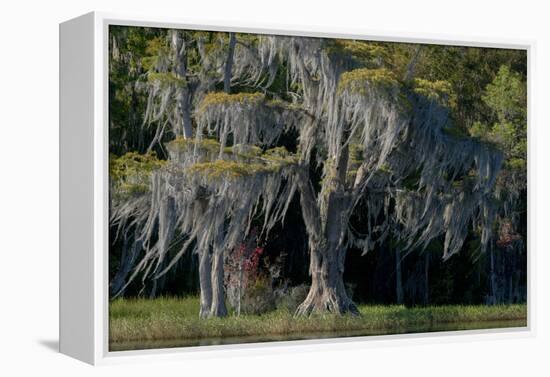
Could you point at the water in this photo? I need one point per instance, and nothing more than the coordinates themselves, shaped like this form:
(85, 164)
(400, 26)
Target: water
(436, 327)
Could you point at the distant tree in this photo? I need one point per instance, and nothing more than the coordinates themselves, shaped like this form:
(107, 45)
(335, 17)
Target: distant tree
(506, 96)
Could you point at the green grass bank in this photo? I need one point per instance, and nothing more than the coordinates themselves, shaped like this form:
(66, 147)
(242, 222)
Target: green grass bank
(163, 319)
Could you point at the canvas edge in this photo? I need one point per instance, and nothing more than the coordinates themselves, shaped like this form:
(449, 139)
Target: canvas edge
(102, 355)
(76, 191)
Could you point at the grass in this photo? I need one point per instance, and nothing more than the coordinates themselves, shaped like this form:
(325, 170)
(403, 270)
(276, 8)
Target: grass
(163, 319)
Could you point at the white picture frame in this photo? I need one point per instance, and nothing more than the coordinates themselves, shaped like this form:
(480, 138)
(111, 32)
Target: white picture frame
(84, 192)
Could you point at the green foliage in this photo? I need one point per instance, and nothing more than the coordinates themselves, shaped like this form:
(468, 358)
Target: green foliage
(280, 155)
(358, 80)
(363, 53)
(130, 174)
(230, 169)
(517, 164)
(128, 46)
(356, 152)
(246, 161)
(354, 54)
(166, 79)
(439, 91)
(507, 96)
(478, 130)
(210, 145)
(222, 98)
(469, 70)
(157, 46)
(132, 164)
(503, 134)
(259, 298)
(456, 131)
(385, 168)
(246, 152)
(355, 159)
(156, 49)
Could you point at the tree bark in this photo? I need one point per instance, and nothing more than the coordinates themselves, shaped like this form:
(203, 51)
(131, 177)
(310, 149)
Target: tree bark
(166, 225)
(183, 92)
(153, 292)
(218, 308)
(127, 262)
(327, 292)
(205, 282)
(325, 227)
(229, 63)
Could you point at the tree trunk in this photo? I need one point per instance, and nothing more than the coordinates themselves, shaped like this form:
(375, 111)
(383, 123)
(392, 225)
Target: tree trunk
(124, 267)
(127, 262)
(153, 292)
(184, 104)
(326, 219)
(218, 308)
(166, 225)
(327, 292)
(205, 282)
(229, 63)
(324, 224)
(211, 272)
(183, 91)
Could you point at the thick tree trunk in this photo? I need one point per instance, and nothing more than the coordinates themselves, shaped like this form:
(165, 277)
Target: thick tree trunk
(218, 308)
(325, 228)
(326, 219)
(205, 282)
(327, 292)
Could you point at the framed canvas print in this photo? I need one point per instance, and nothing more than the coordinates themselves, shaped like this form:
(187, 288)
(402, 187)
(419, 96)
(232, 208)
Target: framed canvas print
(224, 187)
